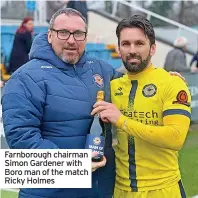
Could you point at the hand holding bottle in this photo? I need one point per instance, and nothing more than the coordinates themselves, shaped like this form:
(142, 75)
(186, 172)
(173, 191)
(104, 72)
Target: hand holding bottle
(96, 165)
(108, 111)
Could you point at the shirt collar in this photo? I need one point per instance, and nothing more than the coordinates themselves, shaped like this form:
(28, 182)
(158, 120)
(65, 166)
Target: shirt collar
(141, 74)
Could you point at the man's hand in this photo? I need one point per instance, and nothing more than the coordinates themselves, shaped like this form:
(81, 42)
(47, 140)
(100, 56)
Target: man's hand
(96, 165)
(194, 69)
(1, 84)
(177, 74)
(108, 112)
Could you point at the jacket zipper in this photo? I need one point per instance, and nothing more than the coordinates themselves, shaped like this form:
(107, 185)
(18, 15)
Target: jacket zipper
(97, 193)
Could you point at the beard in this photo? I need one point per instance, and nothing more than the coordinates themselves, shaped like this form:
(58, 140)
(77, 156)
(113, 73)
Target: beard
(72, 60)
(66, 58)
(135, 67)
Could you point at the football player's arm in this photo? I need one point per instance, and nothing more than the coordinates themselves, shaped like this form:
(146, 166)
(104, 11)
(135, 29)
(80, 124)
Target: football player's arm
(170, 136)
(176, 119)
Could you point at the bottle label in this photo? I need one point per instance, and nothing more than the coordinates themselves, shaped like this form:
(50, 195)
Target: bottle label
(95, 143)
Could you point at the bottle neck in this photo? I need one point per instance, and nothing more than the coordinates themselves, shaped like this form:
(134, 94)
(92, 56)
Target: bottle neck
(98, 100)
(100, 121)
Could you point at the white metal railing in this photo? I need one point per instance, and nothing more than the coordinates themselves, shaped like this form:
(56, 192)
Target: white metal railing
(39, 14)
(41, 17)
(149, 14)
(168, 33)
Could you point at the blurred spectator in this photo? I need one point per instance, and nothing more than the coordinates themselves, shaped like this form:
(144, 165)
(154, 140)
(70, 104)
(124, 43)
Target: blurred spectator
(108, 6)
(53, 6)
(124, 11)
(176, 58)
(194, 68)
(81, 6)
(22, 44)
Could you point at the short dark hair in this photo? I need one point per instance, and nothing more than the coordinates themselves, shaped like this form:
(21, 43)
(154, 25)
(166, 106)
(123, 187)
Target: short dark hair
(68, 12)
(137, 21)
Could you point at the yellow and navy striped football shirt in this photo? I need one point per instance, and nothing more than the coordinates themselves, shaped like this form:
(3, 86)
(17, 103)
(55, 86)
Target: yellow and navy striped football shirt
(155, 119)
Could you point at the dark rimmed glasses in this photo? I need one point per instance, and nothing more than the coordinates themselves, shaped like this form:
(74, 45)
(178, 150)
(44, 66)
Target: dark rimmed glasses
(65, 34)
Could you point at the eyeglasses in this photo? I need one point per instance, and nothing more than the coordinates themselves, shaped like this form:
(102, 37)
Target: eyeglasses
(65, 34)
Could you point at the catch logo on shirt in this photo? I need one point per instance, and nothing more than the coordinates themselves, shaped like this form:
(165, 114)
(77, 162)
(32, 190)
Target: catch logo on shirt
(149, 90)
(119, 92)
(98, 80)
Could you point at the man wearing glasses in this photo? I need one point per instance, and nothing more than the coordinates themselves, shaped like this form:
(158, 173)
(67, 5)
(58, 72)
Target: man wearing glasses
(47, 103)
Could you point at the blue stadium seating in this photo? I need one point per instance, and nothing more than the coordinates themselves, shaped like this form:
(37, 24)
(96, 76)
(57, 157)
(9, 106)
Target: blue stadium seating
(7, 39)
(116, 63)
(98, 50)
(101, 54)
(12, 29)
(95, 46)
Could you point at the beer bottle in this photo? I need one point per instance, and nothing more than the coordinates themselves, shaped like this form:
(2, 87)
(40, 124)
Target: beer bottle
(96, 138)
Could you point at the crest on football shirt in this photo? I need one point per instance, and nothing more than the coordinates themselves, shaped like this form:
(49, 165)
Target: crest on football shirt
(149, 90)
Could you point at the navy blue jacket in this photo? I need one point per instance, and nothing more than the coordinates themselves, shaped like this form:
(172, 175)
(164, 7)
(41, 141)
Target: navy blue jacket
(195, 58)
(47, 105)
